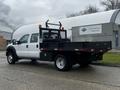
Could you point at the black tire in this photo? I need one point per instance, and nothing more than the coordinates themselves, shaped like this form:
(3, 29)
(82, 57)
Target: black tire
(11, 58)
(62, 63)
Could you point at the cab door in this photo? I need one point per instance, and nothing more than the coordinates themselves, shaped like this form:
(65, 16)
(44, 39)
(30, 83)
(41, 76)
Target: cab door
(22, 47)
(34, 51)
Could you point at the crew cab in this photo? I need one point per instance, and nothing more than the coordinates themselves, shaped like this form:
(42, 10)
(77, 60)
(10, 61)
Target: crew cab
(49, 44)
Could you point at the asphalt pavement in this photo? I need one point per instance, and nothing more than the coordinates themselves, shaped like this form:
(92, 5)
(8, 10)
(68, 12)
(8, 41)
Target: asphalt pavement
(43, 76)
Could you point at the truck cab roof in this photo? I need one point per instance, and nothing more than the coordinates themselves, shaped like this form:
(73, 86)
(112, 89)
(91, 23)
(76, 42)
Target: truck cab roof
(26, 29)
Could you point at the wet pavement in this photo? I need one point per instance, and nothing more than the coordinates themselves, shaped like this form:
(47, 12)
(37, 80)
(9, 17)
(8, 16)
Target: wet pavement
(44, 76)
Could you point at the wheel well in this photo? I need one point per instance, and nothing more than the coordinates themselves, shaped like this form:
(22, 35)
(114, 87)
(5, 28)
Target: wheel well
(55, 54)
(69, 55)
(11, 49)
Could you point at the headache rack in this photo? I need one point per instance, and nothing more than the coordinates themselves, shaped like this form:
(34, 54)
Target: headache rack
(47, 24)
(51, 30)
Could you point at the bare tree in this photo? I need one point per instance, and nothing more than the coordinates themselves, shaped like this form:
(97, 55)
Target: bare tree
(111, 4)
(73, 15)
(90, 9)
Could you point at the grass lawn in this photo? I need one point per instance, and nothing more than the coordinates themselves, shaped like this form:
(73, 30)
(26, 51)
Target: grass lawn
(111, 58)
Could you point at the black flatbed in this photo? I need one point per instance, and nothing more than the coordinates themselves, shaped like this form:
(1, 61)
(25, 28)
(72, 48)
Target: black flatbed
(76, 46)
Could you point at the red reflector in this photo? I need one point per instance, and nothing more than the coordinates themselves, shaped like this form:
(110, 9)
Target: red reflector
(82, 49)
(60, 49)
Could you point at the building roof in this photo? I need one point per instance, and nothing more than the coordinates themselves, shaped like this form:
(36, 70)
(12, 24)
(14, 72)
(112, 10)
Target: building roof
(91, 19)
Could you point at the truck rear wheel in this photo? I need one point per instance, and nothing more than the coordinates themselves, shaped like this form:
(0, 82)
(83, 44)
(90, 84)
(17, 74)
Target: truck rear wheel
(11, 58)
(62, 63)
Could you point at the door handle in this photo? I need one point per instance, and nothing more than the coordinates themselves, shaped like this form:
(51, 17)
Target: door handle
(26, 46)
(37, 46)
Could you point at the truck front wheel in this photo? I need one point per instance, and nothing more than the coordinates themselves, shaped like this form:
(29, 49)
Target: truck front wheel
(62, 63)
(11, 58)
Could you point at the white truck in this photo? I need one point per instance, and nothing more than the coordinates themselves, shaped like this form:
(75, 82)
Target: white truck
(48, 44)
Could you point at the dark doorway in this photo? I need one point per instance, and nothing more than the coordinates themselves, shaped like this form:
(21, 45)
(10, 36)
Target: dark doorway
(116, 33)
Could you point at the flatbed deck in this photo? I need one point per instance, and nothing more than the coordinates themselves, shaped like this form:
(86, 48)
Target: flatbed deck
(76, 46)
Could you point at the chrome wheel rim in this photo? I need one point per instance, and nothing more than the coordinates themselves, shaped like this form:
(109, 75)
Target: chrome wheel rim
(60, 62)
(10, 58)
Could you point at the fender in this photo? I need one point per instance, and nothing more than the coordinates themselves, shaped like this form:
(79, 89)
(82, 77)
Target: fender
(11, 49)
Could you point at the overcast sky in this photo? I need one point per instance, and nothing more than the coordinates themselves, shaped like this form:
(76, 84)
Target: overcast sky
(33, 10)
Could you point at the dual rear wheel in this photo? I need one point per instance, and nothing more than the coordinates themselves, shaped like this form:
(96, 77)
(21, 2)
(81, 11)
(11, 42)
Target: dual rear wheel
(62, 63)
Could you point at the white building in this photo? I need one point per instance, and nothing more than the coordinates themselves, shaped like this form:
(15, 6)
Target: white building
(101, 26)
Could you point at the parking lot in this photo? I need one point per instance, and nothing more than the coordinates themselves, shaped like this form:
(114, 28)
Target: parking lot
(43, 76)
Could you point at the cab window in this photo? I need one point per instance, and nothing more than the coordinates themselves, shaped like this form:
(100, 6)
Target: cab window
(34, 38)
(24, 39)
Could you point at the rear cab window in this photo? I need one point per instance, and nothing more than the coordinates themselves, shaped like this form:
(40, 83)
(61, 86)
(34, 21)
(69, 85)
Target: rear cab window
(34, 38)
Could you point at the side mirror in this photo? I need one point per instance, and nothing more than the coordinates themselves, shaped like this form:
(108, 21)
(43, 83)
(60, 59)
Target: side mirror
(18, 42)
(15, 42)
